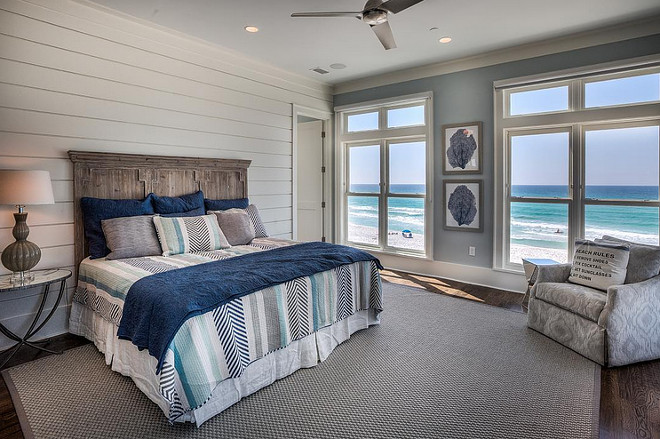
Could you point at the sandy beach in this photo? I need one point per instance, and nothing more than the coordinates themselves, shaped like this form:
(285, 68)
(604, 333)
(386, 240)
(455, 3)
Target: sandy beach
(519, 251)
(369, 235)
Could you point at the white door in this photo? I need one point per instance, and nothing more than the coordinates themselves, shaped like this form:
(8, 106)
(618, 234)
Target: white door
(310, 181)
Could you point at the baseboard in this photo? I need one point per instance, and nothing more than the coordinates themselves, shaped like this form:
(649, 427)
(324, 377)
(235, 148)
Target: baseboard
(462, 273)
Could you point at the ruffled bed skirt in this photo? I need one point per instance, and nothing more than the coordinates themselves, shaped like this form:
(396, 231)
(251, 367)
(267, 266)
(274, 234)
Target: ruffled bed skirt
(125, 358)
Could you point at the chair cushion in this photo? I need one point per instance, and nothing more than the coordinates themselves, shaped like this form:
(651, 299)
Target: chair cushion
(583, 301)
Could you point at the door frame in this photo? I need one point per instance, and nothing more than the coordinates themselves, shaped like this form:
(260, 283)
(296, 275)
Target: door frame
(326, 118)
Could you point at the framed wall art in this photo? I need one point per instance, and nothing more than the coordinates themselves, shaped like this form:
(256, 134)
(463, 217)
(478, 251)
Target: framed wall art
(462, 151)
(463, 205)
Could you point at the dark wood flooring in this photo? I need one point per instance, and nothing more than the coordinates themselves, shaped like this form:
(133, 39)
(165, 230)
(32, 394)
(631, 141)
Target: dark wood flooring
(630, 396)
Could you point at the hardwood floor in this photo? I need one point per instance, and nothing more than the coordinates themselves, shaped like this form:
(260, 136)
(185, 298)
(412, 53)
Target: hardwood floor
(629, 401)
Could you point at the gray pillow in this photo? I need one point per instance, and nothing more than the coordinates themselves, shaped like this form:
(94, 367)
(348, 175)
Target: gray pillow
(236, 225)
(131, 237)
(644, 262)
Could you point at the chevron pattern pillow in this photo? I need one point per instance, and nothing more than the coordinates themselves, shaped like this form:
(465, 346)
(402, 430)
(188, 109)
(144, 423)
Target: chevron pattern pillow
(189, 234)
(255, 218)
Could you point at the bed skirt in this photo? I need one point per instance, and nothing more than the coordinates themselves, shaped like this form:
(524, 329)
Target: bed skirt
(125, 358)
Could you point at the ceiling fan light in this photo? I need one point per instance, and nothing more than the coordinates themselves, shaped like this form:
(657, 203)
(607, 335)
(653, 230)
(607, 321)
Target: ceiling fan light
(374, 17)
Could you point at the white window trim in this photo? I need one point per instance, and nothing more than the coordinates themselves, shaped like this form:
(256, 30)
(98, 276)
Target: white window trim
(385, 136)
(577, 117)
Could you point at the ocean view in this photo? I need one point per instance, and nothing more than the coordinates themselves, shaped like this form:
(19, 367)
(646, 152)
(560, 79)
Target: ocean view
(403, 214)
(537, 230)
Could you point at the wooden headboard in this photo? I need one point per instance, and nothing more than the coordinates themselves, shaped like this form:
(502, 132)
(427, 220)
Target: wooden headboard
(123, 176)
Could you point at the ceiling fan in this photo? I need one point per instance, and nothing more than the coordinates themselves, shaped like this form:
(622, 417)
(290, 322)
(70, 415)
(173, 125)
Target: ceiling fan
(374, 14)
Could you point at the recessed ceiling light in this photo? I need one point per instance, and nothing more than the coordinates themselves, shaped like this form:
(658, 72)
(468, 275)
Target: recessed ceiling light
(338, 66)
(445, 40)
(252, 29)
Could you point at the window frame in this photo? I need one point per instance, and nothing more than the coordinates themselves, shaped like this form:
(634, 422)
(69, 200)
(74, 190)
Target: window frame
(578, 119)
(384, 137)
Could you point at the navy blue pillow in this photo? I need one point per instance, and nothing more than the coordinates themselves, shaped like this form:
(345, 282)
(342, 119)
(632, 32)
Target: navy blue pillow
(95, 210)
(195, 212)
(184, 203)
(240, 203)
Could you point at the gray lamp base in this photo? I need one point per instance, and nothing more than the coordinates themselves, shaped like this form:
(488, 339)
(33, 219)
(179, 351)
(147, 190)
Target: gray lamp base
(21, 256)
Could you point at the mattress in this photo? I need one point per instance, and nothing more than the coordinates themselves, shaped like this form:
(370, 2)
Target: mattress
(215, 353)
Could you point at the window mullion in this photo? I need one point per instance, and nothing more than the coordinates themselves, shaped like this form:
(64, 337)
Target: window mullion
(384, 188)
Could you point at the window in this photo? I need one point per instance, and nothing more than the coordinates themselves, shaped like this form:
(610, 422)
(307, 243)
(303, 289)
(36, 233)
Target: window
(386, 176)
(579, 157)
(542, 100)
(362, 121)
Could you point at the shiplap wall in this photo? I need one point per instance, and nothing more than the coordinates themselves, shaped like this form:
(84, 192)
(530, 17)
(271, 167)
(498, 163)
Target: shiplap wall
(76, 77)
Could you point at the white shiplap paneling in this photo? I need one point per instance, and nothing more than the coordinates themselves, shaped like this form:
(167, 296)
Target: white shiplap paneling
(74, 77)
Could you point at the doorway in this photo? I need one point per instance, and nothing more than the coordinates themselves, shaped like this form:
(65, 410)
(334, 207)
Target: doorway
(311, 189)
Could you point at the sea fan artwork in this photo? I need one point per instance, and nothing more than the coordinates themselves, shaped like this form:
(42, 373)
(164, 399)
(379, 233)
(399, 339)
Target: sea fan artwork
(461, 148)
(463, 205)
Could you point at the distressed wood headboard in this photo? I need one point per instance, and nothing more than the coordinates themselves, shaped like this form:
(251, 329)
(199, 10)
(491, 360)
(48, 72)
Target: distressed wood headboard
(123, 176)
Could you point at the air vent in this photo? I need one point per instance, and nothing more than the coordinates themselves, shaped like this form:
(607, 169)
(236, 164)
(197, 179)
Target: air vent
(319, 70)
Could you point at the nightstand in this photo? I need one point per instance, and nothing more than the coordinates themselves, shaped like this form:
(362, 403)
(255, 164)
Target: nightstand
(531, 267)
(43, 279)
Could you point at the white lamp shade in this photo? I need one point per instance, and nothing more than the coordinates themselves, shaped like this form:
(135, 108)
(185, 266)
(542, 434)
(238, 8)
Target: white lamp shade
(22, 187)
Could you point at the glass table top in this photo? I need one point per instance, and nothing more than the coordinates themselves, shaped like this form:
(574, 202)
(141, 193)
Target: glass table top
(41, 277)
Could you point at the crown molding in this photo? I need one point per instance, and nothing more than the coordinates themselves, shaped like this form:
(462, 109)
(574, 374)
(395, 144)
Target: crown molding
(610, 34)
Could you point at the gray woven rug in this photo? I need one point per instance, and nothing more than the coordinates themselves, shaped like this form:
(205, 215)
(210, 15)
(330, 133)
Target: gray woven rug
(437, 367)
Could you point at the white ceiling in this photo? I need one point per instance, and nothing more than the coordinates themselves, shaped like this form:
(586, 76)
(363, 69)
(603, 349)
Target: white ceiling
(299, 44)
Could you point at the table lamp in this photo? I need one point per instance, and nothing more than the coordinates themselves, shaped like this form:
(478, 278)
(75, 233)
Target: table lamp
(21, 188)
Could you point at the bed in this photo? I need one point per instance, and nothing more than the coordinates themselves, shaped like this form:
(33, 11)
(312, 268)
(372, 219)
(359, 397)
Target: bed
(220, 355)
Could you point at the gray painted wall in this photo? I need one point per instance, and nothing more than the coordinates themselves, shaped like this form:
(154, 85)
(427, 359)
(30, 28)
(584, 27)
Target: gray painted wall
(468, 96)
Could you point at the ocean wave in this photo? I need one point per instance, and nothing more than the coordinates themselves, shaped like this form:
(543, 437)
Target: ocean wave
(640, 237)
(406, 220)
(367, 208)
(408, 210)
(539, 224)
(362, 214)
(547, 232)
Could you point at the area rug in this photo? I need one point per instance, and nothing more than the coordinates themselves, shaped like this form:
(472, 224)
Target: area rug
(437, 367)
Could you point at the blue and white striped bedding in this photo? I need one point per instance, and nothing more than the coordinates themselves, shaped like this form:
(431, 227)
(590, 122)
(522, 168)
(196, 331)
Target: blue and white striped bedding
(220, 344)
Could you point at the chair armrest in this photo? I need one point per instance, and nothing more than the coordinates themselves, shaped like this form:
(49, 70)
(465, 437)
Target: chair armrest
(632, 319)
(553, 273)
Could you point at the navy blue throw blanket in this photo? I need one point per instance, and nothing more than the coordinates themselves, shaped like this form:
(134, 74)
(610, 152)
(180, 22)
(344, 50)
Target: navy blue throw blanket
(156, 306)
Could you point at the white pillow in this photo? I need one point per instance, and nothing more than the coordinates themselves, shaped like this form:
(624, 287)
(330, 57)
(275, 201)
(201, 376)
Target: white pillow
(599, 265)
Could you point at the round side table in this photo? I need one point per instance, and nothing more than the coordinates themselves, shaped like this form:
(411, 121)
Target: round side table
(43, 279)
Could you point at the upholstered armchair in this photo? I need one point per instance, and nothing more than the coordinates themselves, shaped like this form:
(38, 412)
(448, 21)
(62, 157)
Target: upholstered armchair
(613, 328)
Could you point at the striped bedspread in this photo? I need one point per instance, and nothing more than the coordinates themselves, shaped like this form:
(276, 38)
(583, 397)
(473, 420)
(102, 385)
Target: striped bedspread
(220, 344)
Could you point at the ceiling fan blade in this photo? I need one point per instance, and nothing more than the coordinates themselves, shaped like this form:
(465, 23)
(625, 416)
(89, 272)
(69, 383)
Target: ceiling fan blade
(384, 33)
(395, 6)
(328, 14)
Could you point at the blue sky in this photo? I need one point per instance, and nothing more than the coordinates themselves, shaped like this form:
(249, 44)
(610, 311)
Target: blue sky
(615, 157)
(407, 160)
(626, 156)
